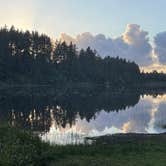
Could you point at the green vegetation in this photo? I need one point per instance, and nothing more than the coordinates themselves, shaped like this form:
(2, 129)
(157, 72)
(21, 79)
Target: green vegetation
(22, 148)
(19, 148)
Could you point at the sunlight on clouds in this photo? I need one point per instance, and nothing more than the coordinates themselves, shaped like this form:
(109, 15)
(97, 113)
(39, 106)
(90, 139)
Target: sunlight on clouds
(157, 100)
(156, 66)
(134, 35)
(133, 44)
(126, 127)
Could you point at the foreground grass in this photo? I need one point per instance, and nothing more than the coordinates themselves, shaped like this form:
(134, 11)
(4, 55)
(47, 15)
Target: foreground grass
(18, 147)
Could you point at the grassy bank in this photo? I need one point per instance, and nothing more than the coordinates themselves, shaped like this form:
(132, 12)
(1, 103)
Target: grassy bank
(19, 147)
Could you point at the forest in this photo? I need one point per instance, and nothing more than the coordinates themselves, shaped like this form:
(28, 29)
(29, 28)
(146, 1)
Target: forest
(32, 58)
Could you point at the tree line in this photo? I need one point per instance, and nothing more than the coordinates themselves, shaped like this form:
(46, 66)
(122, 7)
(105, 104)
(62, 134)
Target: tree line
(32, 58)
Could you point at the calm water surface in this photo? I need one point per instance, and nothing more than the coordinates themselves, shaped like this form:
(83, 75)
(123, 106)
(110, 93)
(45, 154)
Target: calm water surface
(68, 120)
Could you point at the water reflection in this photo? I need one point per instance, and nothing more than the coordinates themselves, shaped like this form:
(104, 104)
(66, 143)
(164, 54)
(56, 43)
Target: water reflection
(69, 119)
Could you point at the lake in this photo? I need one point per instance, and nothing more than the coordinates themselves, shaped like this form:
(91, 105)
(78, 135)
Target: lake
(71, 117)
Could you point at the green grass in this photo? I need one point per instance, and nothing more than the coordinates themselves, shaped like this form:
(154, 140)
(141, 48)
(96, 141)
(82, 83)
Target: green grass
(18, 147)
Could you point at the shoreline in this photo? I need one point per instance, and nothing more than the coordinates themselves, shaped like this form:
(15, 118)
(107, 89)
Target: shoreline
(85, 85)
(126, 138)
(31, 151)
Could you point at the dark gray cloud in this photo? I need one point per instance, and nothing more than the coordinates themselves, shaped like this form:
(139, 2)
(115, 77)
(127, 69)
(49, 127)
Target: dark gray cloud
(133, 44)
(160, 47)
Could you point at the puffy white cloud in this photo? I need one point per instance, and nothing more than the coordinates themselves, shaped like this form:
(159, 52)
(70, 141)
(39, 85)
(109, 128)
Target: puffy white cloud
(160, 47)
(133, 44)
(134, 35)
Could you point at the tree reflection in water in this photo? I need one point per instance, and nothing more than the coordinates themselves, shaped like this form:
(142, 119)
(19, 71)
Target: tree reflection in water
(69, 118)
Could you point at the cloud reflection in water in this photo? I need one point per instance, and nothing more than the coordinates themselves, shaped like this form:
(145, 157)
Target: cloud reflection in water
(148, 116)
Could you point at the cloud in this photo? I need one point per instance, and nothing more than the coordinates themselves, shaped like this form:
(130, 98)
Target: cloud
(160, 47)
(160, 121)
(134, 35)
(128, 120)
(133, 44)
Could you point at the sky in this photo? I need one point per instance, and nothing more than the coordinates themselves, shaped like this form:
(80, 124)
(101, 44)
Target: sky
(110, 23)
